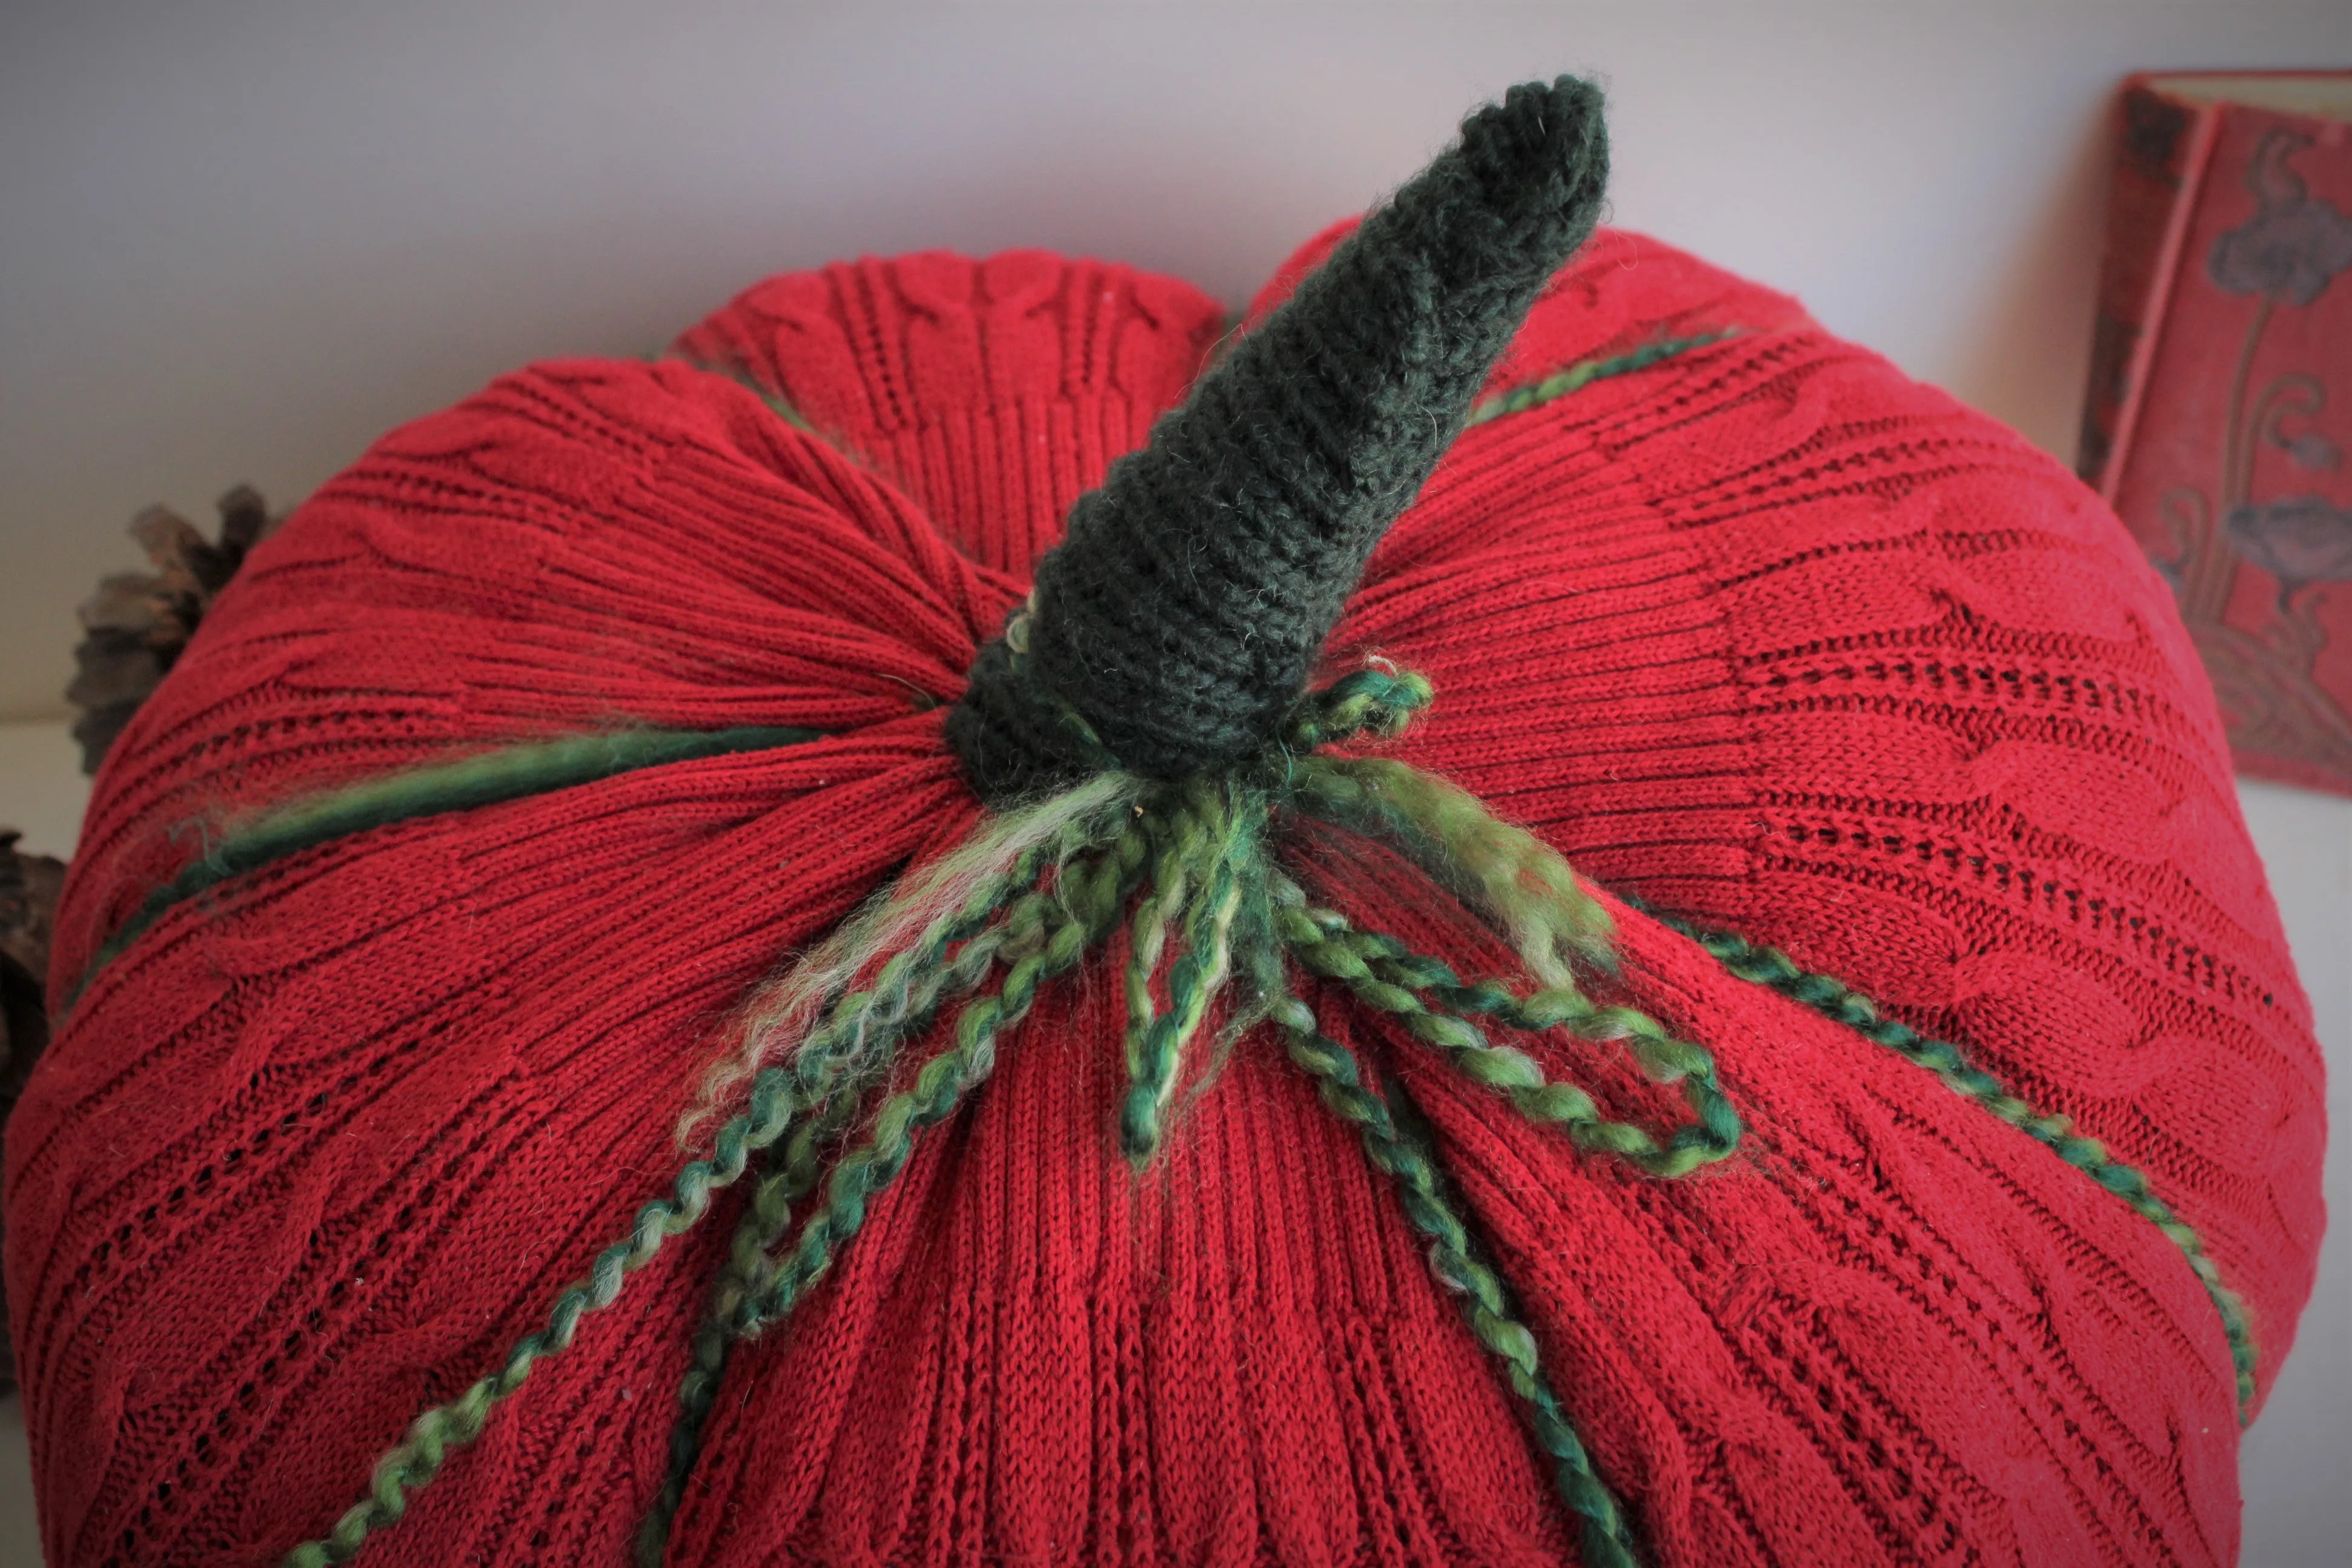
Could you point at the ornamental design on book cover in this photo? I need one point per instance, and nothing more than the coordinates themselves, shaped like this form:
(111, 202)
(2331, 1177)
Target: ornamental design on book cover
(2286, 255)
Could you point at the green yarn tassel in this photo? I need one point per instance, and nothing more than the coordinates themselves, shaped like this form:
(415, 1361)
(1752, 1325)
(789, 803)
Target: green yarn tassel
(1189, 869)
(418, 1458)
(1211, 835)
(1051, 927)
(899, 1002)
(1424, 995)
(1507, 874)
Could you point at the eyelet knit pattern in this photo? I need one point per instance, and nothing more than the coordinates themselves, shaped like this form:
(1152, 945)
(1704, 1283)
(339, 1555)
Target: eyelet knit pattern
(1762, 631)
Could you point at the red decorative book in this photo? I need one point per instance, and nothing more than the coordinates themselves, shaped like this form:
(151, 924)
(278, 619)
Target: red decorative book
(2216, 423)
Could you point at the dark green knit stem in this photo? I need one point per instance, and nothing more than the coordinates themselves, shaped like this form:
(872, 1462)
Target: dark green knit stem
(1605, 1538)
(1188, 603)
(487, 778)
(1770, 968)
(1426, 996)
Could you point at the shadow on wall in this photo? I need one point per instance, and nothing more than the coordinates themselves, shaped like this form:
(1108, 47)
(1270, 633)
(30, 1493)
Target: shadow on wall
(2030, 367)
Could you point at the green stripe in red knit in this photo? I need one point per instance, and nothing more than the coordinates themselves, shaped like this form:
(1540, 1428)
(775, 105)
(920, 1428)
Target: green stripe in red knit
(487, 778)
(1770, 968)
(1585, 372)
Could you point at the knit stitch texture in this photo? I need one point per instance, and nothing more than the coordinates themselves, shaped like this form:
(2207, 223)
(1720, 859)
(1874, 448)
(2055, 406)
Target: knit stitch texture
(1761, 632)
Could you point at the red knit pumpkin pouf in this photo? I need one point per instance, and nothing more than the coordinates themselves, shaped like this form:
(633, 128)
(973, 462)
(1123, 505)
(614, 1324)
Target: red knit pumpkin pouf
(1869, 728)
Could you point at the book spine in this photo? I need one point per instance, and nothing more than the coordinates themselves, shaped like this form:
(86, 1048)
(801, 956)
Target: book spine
(2167, 143)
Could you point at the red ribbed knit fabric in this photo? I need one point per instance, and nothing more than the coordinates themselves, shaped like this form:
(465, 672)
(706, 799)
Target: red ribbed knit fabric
(1765, 634)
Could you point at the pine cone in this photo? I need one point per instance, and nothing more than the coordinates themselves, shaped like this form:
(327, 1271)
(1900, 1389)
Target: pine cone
(29, 885)
(136, 624)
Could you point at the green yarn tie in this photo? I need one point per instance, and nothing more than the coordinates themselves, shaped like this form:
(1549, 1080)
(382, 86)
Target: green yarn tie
(1211, 828)
(1191, 869)
(1043, 935)
(1770, 968)
(898, 1002)
(1486, 1304)
(1432, 1004)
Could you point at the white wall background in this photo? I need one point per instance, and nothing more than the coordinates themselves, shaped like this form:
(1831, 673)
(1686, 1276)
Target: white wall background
(239, 238)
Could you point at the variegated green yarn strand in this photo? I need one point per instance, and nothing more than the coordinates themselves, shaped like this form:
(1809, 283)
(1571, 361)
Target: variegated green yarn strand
(1770, 968)
(824, 1092)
